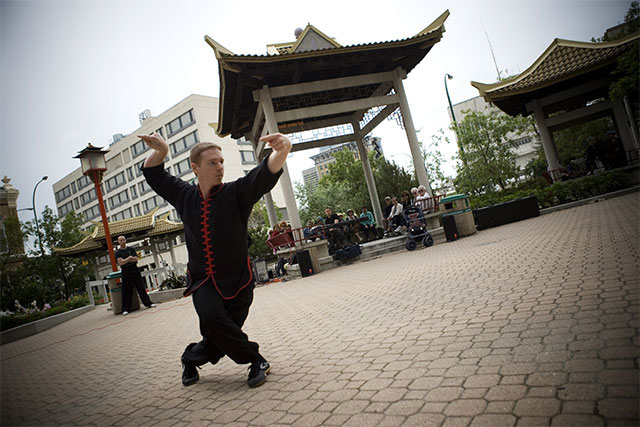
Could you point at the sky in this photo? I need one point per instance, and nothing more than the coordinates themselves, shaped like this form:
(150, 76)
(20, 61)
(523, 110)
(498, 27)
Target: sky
(80, 71)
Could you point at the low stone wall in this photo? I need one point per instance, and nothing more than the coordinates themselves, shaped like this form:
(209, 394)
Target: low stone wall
(38, 326)
(164, 296)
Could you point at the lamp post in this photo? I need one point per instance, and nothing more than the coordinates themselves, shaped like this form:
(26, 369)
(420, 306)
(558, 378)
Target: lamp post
(448, 76)
(94, 165)
(35, 214)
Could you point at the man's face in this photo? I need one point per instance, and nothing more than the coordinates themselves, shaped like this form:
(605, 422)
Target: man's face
(122, 241)
(387, 201)
(211, 167)
(328, 212)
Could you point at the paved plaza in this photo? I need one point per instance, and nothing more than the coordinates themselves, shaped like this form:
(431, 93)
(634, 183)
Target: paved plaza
(531, 323)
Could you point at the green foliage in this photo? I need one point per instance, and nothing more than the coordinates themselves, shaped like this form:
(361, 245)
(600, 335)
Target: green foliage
(173, 281)
(433, 159)
(487, 162)
(345, 186)
(49, 277)
(259, 247)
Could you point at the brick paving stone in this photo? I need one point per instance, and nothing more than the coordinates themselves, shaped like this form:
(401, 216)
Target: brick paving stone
(539, 326)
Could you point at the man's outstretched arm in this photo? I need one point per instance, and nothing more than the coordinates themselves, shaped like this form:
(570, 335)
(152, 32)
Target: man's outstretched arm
(159, 147)
(281, 147)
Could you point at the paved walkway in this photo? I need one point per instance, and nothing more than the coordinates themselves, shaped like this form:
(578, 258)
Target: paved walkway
(531, 323)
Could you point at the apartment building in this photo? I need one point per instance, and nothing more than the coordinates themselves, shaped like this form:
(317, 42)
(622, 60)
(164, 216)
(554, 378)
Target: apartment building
(125, 191)
(325, 157)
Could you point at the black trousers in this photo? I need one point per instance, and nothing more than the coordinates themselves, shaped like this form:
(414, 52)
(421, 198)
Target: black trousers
(129, 280)
(221, 328)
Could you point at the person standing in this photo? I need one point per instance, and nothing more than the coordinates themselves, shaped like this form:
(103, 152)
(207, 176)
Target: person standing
(215, 216)
(127, 259)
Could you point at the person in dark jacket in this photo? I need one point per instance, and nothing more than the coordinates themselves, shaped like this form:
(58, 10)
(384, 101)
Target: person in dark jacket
(127, 259)
(215, 216)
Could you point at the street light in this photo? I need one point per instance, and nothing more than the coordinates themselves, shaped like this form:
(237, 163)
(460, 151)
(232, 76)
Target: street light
(35, 214)
(448, 76)
(94, 165)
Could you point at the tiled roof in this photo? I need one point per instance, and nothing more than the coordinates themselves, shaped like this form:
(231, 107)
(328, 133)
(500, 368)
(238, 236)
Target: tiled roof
(85, 245)
(240, 75)
(126, 226)
(165, 226)
(562, 60)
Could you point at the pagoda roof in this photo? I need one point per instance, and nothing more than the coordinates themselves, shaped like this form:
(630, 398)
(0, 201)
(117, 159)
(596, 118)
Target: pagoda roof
(292, 63)
(140, 227)
(563, 64)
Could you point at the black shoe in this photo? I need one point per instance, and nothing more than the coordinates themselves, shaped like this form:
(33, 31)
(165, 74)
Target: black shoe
(189, 374)
(258, 374)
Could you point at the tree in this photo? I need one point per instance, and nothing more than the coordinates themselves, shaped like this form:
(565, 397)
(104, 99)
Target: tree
(345, 186)
(433, 159)
(60, 276)
(488, 162)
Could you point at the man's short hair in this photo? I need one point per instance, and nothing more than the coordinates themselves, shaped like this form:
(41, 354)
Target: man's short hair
(199, 148)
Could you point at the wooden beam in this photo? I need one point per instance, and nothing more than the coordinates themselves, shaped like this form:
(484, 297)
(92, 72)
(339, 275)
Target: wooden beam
(386, 112)
(335, 108)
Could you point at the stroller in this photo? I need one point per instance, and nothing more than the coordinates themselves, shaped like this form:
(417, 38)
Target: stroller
(416, 228)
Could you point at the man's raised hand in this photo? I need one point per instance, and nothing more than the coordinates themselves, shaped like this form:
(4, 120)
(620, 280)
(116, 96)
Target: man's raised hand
(159, 147)
(281, 147)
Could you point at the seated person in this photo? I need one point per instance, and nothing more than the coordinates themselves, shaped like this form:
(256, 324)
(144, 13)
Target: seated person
(275, 231)
(424, 201)
(335, 235)
(354, 231)
(406, 199)
(386, 211)
(308, 231)
(396, 220)
(414, 194)
(369, 224)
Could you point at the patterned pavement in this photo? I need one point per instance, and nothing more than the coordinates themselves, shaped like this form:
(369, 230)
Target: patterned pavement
(531, 323)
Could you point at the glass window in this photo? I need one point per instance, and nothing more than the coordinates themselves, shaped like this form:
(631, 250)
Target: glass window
(138, 167)
(180, 123)
(88, 196)
(138, 148)
(247, 157)
(83, 182)
(73, 187)
(151, 203)
(144, 187)
(125, 214)
(134, 193)
(130, 173)
(183, 167)
(118, 199)
(114, 182)
(63, 194)
(136, 208)
(91, 213)
(184, 143)
(66, 208)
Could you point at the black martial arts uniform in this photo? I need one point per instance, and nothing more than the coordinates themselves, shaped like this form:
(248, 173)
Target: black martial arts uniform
(219, 277)
(131, 277)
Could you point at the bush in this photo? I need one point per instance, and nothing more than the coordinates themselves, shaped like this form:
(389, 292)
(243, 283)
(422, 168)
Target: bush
(31, 315)
(559, 192)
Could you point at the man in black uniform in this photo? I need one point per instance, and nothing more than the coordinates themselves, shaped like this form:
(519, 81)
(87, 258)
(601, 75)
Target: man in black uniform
(127, 259)
(215, 216)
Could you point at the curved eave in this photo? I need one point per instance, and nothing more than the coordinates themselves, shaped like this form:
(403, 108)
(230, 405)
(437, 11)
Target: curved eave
(231, 63)
(494, 92)
(85, 245)
(126, 226)
(165, 226)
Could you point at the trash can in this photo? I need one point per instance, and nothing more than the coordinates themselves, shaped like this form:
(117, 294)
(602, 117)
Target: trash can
(115, 291)
(456, 211)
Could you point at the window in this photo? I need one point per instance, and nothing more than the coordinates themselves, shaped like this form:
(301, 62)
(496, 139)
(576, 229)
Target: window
(180, 123)
(130, 173)
(88, 196)
(76, 203)
(144, 187)
(184, 143)
(103, 259)
(122, 215)
(162, 246)
(138, 167)
(183, 167)
(138, 148)
(66, 208)
(136, 208)
(83, 182)
(114, 182)
(91, 213)
(160, 132)
(247, 157)
(151, 203)
(63, 194)
(73, 187)
(134, 193)
(118, 199)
